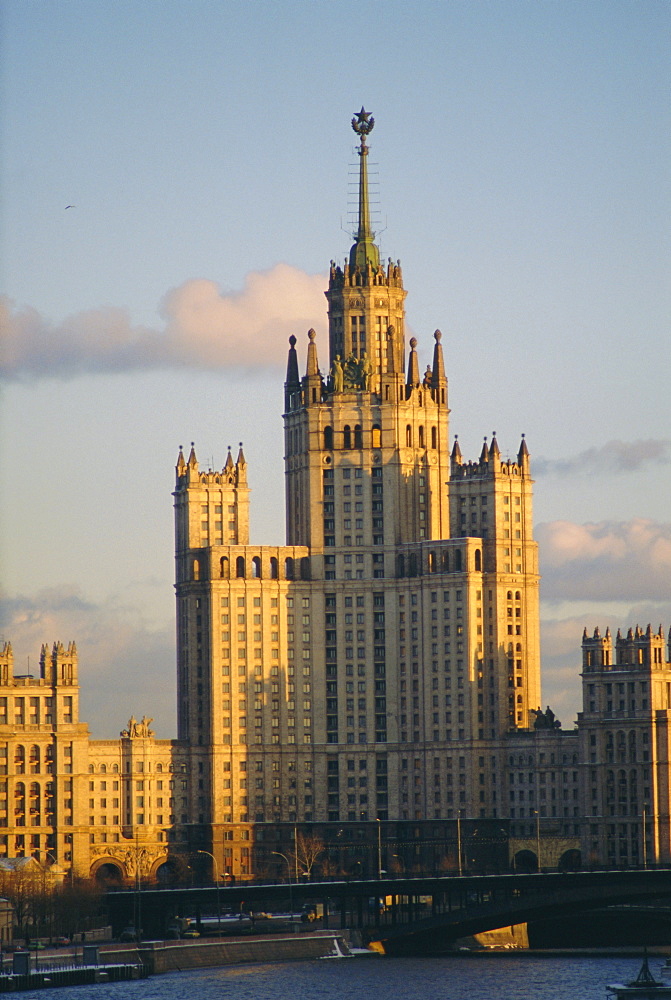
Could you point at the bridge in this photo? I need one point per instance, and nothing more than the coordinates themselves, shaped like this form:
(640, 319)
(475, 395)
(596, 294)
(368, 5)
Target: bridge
(406, 914)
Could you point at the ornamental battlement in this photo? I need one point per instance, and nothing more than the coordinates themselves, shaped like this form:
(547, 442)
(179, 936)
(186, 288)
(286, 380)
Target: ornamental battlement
(490, 464)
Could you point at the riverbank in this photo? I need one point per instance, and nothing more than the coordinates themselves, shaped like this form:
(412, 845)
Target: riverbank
(177, 956)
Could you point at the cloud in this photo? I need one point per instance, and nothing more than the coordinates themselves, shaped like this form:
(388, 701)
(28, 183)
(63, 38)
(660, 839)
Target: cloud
(612, 457)
(624, 561)
(202, 328)
(125, 667)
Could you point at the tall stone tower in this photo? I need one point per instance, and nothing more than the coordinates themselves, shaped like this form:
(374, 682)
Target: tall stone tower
(370, 669)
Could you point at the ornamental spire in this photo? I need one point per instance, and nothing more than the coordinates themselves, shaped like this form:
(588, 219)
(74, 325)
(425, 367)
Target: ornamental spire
(364, 251)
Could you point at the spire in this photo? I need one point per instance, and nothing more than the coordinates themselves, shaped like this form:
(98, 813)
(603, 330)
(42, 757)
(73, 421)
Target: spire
(228, 466)
(193, 461)
(180, 462)
(484, 454)
(293, 378)
(364, 252)
(413, 365)
(494, 451)
(241, 467)
(523, 456)
(438, 370)
(456, 451)
(312, 367)
(293, 382)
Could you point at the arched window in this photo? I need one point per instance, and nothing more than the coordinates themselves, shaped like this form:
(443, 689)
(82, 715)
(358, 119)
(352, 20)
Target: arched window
(305, 568)
(412, 570)
(115, 768)
(377, 436)
(434, 438)
(288, 568)
(421, 436)
(91, 768)
(400, 566)
(328, 439)
(103, 768)
(196, 569)
(510, 595)
(224, 571)
(478, 561)
(20, 759)
(240, 567)
(432, 562)
(358, 436)
(446, 561)
(517, 595)
(159, 767)
(408, 436)
(256, 568)
(347, 437)
(34, 760)
(457, 561)
(273, 568)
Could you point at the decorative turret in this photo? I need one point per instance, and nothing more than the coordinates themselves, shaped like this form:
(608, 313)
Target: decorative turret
(412, 381)
(523, 456)
(494, 451)
(438, 379)
(292, 386)
(456, 458)
(597, 651)
(641, 648)
(484, 454)
(241, 467)
(312, 367)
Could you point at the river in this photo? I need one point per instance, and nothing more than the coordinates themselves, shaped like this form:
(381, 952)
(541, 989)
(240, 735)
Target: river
(490, 977)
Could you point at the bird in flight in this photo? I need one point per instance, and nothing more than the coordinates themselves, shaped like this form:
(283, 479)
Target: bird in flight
(69, 206)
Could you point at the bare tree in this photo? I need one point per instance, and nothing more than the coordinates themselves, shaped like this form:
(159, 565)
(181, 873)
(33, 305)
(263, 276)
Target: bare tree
(307, 851)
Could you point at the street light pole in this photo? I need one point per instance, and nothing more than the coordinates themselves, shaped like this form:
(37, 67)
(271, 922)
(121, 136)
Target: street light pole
(379, 848)
(216, 875)
(296, 851)
(459, 865)
(538, 838)
(291, 901)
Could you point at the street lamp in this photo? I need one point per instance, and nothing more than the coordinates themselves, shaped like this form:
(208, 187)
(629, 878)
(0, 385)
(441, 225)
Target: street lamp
(459, 863)
(379, 847)
(216, 875)
(288, 863)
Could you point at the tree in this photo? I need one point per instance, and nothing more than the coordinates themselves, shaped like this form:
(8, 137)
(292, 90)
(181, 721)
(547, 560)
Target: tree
(307, 850)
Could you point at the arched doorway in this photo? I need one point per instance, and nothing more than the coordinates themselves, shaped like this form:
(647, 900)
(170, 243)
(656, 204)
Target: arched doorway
(109, 873)
(570, 861)
(525, 861)
(170, 872)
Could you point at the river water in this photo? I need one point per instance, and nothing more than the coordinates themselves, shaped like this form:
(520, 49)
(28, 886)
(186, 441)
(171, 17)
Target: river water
(490, 977)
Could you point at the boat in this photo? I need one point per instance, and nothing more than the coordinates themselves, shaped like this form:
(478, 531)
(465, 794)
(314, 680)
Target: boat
(644, 987)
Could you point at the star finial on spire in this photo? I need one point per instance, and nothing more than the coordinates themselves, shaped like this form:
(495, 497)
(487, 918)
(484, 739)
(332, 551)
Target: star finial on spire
(363, 123)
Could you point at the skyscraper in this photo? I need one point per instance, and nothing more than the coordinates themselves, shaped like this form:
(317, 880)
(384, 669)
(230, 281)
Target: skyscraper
(371, 667)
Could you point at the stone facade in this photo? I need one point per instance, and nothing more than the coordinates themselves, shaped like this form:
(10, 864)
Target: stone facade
(373, 684)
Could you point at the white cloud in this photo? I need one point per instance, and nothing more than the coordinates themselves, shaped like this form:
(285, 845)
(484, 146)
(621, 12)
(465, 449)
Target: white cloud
(125, 667)
(203, 328)
(612, 457)
(626, 560)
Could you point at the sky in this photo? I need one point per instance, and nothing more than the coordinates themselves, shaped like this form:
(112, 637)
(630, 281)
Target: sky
(520, 162)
